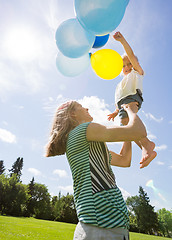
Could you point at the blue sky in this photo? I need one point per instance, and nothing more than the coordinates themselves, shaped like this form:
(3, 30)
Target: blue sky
(31, 87)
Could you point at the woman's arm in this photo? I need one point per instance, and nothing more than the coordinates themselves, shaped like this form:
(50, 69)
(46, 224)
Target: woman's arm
(134, 130)
(124, 158)
(119, 37)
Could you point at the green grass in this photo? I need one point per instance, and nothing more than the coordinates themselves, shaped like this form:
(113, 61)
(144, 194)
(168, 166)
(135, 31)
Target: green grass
(139, 236)
(13, 228)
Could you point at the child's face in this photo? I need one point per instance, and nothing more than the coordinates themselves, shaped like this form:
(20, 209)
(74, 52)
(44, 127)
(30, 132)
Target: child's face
(127, 66)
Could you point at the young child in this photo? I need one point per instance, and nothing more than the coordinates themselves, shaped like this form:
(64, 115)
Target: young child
(130, 90)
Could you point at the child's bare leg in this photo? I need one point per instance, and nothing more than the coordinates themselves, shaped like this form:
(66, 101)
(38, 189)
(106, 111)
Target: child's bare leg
(124, 121)
(146, 146)
(145, 143)
(147, 152)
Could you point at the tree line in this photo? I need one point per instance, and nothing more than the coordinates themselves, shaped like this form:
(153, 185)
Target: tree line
(34, 200)
(144, 219)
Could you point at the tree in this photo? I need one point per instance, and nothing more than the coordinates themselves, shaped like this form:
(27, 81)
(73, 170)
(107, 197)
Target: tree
(13, 196)
(41, 201)
(17, 168)
(31, 201)
(146, 218)
(133, 207)
(31, 187)
(63, 209)
(133, 203)
(165, 222)
(68, 211)
(3, 187)
(56, 205)
(2, 168)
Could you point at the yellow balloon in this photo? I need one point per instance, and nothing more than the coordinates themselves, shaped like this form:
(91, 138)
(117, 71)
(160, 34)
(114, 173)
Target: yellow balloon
(107, 63)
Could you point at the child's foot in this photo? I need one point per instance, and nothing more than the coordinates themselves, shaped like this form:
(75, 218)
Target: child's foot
(147, 150)
(146, 162)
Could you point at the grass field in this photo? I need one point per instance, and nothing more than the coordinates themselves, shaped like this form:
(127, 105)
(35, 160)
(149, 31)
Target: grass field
(12, 228)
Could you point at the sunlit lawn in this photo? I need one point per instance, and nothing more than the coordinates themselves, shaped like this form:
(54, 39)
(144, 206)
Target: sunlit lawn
(12, 228)
(139, 236)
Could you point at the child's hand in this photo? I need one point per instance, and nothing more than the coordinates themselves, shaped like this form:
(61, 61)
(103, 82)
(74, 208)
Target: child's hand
(118, 36)
(112, 115)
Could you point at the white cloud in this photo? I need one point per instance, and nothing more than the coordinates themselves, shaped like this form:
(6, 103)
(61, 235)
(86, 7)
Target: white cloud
(19, 107)
(20, 78)
(50, 99)
(170, 167)
(34, 171)
(7, 136)
(60, 173)
(151, 136)
(115, 143)
(151, 117)
(98, 110)
(66, 188)
(160, 163)
(96, 107)
(170, 122)
(50, 103)
(161, 147)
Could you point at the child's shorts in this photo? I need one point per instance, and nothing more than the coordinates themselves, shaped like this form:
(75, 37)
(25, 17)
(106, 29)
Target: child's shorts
(131, 98)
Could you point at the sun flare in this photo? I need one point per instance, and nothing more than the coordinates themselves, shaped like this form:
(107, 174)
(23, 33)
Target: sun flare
(21, 44)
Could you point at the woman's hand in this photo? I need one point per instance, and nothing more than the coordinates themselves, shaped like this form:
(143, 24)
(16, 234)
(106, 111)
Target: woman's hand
(133, 106)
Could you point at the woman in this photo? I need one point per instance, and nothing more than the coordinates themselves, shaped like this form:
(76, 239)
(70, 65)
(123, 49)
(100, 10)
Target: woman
(100, 207)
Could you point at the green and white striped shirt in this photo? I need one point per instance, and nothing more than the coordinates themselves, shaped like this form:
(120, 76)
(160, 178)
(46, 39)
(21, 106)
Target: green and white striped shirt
(98, 200)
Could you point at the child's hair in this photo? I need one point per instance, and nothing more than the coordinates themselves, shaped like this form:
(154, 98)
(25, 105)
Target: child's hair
(124, 55)
(63, 123)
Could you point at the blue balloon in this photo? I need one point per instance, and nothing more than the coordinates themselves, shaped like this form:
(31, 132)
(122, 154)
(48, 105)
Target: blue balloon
(71, 67)
(100, 41)
(100, 16)
(127, 2)
(72, 39)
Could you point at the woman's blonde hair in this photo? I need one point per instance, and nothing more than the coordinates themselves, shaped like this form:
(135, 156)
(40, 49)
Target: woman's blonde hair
(63, 123)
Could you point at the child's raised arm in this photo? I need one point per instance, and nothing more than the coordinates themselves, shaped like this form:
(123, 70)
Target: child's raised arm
(133, 59)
